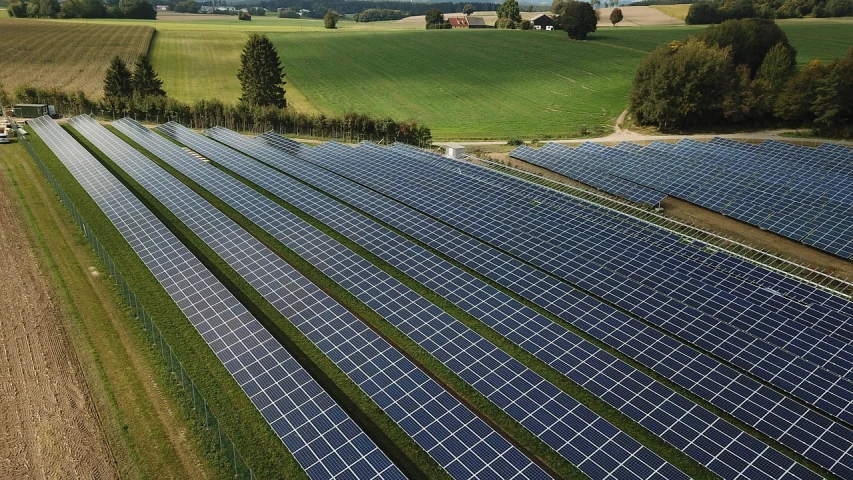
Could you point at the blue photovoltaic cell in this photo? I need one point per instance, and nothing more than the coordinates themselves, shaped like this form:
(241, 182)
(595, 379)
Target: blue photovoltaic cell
(427, 412)
(780, 187)
(439, 195)
(635, 394)
(594, 445)
(321, 436)
(817, 436)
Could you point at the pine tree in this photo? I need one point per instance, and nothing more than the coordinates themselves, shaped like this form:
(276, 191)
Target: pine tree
(145, 80)
(261, 74)
(117, 81)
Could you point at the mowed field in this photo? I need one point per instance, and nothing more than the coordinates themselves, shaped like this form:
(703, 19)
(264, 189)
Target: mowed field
(464, 84)
(71, 56)
(479, 84)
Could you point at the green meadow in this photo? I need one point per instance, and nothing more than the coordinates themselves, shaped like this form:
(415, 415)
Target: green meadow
(463, 84)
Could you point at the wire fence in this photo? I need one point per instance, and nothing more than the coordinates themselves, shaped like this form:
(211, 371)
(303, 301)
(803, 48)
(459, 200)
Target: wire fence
(200, 406)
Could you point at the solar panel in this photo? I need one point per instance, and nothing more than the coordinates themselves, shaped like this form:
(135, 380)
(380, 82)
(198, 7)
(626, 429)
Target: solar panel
(458, 440)
(455, 204)
(750, 184)
(741, 396)
(635, 394)
(597, 447)
(319, 434)
(614, 250)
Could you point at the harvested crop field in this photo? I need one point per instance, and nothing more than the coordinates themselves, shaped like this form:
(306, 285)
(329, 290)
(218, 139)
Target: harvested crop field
(48, 424)
(70, 56)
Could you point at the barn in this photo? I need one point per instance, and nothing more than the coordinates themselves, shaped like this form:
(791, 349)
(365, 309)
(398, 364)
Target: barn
(458, 22)
(542, 22)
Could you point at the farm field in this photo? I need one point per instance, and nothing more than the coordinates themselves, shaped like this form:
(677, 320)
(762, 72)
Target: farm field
(497, 85)
(71, 56)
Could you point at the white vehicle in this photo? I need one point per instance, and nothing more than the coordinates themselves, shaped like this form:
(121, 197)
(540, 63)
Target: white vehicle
(4, 138)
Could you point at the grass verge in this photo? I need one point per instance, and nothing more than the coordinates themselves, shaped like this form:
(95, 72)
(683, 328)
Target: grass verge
(262, 450)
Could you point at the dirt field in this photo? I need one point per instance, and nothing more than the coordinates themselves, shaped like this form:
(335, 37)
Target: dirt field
(48, 424)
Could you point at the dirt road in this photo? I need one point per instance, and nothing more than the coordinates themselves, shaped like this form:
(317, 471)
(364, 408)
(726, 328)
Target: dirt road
(48, 424)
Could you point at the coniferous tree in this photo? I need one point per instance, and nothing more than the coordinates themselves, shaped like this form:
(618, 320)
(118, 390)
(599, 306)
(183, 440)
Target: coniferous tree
(261, 74)
(145, 80)
(117, 81)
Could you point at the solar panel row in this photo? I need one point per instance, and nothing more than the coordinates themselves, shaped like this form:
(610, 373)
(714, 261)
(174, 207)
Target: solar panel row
(722, 386)
(786, 323)
(585, 439)
(673, 417)
(804, 194)
(453, 202)
(459, 441)
(775, 284)
(671, 251)
(320, 435)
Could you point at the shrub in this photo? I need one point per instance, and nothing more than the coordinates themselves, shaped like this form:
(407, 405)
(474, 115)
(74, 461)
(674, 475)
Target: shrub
(244, 16)
(514, 142)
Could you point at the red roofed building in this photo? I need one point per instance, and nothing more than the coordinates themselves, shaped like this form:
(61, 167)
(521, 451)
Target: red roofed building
(458, 22)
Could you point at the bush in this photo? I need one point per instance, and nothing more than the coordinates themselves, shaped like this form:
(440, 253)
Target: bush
(506, 23)
(514, 142)
(526, 24)
(244, 16)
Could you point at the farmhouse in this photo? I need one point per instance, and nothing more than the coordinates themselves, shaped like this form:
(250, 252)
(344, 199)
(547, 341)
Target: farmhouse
(458, 22)
(542, 22)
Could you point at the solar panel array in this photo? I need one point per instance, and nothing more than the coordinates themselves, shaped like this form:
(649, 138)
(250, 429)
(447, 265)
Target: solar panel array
(472, 208)
(597, 447)
(458, 440)
(692, 429)
(322, 437)
(765, 349)
(802, 193)
(648, 346)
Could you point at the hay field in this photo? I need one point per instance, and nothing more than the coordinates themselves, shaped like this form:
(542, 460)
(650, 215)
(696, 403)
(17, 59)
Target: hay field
(71, 56)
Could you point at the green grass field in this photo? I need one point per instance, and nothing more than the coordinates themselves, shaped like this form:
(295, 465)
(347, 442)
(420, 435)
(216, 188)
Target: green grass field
(484, 84)
(463, 84)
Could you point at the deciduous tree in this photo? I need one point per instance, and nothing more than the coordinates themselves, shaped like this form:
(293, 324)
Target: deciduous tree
(616, 16)
(578, 19)
(330, 19)
(468, 9)
(261, 74)
(510, 9)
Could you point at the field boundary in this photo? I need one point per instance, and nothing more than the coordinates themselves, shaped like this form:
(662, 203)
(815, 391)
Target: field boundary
(200, 405)
(710, 240)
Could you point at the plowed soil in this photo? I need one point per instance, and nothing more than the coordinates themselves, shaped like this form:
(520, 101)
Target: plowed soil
(48, 424)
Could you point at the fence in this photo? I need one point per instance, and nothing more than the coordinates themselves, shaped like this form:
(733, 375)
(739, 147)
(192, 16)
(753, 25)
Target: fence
(200, 406)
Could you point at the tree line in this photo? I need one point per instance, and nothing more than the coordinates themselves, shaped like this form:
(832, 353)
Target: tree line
(706, 12)
(318, 9)
(137, 9)
(379, 14)
(742, 73)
